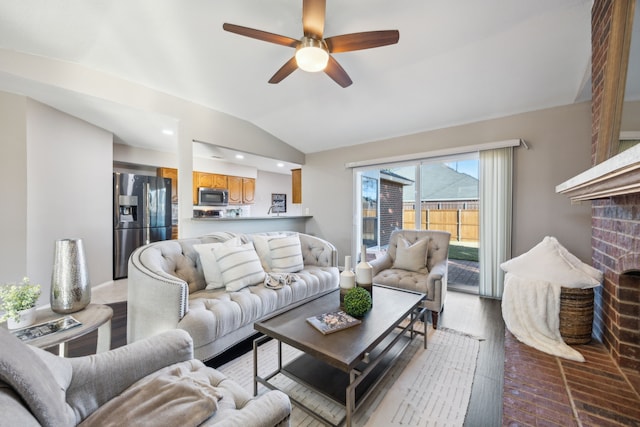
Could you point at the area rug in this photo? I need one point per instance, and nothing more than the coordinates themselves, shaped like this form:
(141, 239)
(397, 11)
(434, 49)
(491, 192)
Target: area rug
(424, 388)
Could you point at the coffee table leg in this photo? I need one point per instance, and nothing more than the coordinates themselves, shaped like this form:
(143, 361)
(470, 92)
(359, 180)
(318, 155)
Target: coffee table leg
(424, 310)
(350, 398)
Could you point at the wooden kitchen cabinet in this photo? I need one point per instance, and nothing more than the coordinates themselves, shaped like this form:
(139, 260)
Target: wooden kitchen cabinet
(248, 190)
(296, 185)
(235, 190)
(241, 190)
(209, 180)
(173, 175)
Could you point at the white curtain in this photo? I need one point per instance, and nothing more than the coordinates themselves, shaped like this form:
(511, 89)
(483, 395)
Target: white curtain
(496, 168)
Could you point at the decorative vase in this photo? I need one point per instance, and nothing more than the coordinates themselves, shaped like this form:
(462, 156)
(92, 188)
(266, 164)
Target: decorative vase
(347, 279)
(364, 272)
(27, 318)
(70, 287)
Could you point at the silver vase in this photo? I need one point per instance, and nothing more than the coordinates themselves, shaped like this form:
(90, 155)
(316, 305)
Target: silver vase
(70, 287)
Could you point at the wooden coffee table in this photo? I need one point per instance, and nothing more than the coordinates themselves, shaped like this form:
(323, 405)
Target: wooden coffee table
(347, 365)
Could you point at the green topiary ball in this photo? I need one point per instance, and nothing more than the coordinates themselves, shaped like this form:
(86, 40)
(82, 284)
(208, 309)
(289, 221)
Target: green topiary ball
(357, 302)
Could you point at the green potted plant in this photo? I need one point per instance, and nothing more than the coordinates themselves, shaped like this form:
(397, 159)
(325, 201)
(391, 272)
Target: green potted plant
(18, 301)
(357, 302)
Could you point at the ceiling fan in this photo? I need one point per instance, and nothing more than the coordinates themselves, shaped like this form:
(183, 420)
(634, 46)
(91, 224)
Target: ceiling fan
(313, 52)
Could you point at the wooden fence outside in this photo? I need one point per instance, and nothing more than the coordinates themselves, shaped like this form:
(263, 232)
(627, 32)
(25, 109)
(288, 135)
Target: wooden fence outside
(463, 224)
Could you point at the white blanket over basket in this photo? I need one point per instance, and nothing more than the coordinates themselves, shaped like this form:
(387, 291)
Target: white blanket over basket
(531, 297)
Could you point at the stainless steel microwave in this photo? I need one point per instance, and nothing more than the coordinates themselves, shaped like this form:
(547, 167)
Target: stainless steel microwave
(212, 196)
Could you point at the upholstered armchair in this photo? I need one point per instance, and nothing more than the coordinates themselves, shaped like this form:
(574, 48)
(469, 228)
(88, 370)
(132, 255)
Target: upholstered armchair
(155, 381)
(416, 260)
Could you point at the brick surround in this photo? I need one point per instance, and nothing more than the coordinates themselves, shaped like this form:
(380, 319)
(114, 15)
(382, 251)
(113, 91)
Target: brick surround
(615, 232)
(616, 250)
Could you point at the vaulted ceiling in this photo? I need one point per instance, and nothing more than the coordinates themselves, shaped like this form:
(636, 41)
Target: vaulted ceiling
(456, 62)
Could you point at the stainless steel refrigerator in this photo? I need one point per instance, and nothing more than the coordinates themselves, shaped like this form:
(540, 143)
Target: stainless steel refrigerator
(141, 215)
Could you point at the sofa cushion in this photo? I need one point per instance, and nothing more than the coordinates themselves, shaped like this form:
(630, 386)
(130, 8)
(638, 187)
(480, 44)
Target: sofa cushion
(239, 266)
(286, 254)
(211, 270)
(411, 257)
(551, 262)
(41, 385)
(261, 243)
(216, 313)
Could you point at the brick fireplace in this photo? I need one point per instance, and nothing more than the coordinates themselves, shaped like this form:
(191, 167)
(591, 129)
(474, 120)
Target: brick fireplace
(616, 252)
(615, 229)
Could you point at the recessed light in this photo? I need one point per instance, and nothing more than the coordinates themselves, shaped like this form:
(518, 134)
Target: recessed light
(239, 156)
(280, 165)
(167, 131)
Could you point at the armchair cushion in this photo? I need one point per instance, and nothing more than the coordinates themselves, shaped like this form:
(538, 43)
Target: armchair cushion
(411, 257)
(101, 377)
(40, 385)
(183, 395)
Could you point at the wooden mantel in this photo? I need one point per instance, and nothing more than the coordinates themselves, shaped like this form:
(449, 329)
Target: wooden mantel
(616, 176)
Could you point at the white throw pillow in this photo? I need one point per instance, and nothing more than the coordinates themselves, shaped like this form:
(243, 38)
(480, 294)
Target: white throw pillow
(551, 262)
(286, 254)
(411, 257)
(261, 243)
(239, 266)
(212, 275)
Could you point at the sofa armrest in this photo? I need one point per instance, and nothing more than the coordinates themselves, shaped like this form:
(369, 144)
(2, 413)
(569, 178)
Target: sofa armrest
(98, 378)
(437, 282)
(156, 300)
(383, 262)
(317, 251)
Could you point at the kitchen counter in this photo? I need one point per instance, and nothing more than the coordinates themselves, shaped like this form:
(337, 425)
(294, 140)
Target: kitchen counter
(247, 224)
(251, 218)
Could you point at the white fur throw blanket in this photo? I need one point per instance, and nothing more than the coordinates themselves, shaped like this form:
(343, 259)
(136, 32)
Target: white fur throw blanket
(531, 312)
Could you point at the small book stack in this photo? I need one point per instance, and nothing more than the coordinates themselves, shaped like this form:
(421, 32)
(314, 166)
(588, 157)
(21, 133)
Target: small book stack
(334, 321)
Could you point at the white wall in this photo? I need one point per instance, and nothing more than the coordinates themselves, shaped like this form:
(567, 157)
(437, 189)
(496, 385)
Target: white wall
(560, 141)
(13, 187)
(60, 188)
(268, 183)
(69, 191)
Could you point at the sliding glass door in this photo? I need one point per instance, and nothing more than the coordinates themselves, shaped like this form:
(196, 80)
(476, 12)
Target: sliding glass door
(434, 194)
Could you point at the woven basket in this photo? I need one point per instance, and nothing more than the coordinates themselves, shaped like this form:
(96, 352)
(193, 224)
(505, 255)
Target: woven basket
(576, 315)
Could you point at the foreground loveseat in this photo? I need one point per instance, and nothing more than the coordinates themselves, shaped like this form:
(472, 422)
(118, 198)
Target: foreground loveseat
(153, 382)
(167, 287)
(416, 260)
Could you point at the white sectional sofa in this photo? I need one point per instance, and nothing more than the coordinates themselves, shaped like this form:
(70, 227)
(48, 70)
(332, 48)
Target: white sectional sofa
(168, 288)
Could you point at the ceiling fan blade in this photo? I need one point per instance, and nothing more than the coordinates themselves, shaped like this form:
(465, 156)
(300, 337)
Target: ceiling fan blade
(313, 14)
(289, 67)
(260, 35)
(337, 73)
(359, 41)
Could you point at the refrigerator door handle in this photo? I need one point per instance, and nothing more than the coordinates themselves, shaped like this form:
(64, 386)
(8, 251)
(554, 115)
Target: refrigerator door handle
(147, 214)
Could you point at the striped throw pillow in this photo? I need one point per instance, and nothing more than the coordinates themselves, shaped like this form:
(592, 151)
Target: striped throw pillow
(286, 254)
(239, 266)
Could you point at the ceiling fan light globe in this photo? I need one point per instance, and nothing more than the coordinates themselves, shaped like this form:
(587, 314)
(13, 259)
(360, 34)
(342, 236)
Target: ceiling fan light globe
(311, 55)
